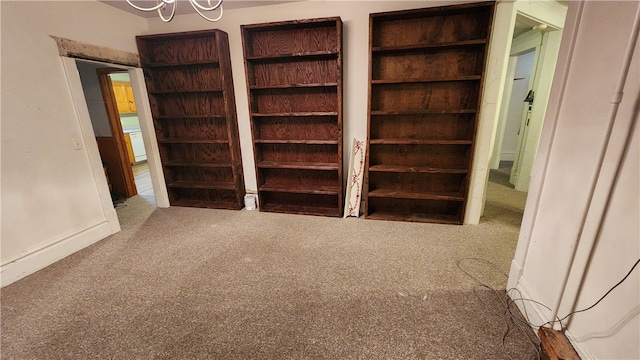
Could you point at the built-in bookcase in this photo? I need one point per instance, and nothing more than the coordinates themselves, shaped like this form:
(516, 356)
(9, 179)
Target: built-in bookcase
(294, 82)
(426, 74)
(189, 81)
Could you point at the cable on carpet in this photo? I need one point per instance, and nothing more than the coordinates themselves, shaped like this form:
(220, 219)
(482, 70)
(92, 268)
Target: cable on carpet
(512, 317)
(515, 319)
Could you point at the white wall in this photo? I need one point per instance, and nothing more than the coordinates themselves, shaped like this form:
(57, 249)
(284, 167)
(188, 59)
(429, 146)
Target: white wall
(51, 205)
(355, 17)
(573, 138)
(94, 98)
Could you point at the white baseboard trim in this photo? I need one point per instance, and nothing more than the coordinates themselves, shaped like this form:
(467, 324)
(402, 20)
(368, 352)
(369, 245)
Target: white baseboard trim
(515, 273)
(537, 314)
(508, 156)
(47, 255)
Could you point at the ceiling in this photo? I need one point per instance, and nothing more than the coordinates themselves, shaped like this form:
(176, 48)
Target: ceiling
(183, 6)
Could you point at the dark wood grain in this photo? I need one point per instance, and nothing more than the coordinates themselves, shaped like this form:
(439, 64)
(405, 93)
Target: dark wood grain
(431, 183)
(443, 156)
(294, 100)
(204, 129)
(429, 126)
(204, 76)
(431, 96)
(215, 153)
(423, 210)
(188, 76)
(425, 79)
(294, 80)
(300, 178)
(432, 28)
(297, 153)
(291, 40)
(178, 49)
(311, 127)
(295, 72)
(185, 104)
(448, 63)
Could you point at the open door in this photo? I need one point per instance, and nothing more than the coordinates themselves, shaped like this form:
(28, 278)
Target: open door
(546, 44)
(113, 149)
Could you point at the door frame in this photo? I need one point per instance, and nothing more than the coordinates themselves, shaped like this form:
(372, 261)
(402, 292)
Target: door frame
(547, 47)
(106, 87)
(146, 126)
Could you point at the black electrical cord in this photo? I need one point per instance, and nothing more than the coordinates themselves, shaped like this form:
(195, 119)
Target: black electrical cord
(603, 296)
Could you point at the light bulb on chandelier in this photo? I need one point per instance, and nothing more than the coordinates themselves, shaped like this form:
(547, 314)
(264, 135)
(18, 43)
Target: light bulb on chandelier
(199, 8)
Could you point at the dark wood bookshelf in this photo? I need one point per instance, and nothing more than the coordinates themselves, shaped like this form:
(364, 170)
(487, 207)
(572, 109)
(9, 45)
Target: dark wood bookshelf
(426, 71)
(190, 87)
(294, 82)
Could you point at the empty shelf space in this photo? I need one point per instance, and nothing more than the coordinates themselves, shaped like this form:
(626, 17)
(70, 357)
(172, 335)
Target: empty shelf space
(404, 194)
(416, 169)
(418, 81)
(414, 217)
(185, 64)
(196, 164)
(318, 189)
(304, 114)
(301, 209)
(201, 185)
(189, 117)
(291, 86)
(297, 165)
(184, 91)
(297, 141)
(419, 112)
(418, 47)
(418, 142)
(302, 55)
(209, 204)
(191, 141)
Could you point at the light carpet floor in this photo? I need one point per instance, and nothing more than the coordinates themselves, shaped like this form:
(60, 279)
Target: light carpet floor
(184, 283)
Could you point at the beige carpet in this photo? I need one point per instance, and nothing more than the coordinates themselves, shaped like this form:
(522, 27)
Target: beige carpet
(183, 283)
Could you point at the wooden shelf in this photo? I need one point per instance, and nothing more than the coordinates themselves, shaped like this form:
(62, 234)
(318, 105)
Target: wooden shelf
(418, 142)
(414, 217)
(191, 141)
(196, 164)
(194, 112)
(296, 141)
(201, 185)
(402, 194)
(297, 165)
(206, 204)
(189, 117)
(294, 81)
(427, 47)
(292, 86)
(301, 209)
(425, 88)
(296, 114)
(185, 91)
(181, 65)
(294, 56)
(416, 169)
(323, 190)
(420, 112)
(421, 81)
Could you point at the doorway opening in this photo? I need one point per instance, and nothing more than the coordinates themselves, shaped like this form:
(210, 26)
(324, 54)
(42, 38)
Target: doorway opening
(114, 119)
(532, 58)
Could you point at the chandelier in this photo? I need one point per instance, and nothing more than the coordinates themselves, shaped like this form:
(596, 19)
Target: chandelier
(196, 4)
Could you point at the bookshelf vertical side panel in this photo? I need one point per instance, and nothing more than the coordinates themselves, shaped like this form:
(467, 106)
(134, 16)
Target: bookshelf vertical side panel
(231, 116)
